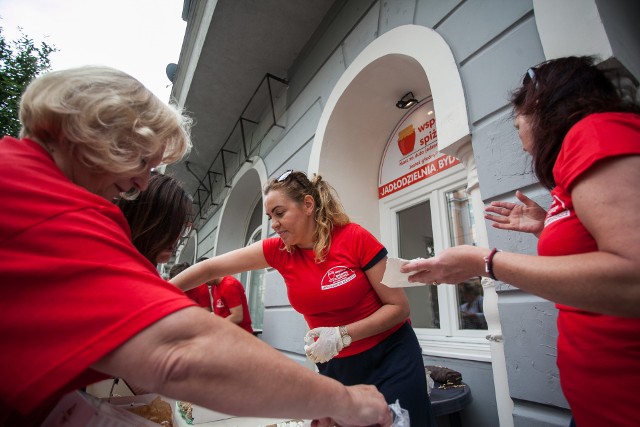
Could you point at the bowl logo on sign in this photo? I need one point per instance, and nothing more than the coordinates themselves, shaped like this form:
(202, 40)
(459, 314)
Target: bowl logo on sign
(407, 140)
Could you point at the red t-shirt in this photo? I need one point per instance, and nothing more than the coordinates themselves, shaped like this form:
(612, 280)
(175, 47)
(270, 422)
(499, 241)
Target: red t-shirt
(201, 296)
(337, 291)
(598, 355)
(230, 293)
(73, 287)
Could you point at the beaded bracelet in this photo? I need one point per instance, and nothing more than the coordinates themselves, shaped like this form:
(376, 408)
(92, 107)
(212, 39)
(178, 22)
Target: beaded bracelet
(488, 263)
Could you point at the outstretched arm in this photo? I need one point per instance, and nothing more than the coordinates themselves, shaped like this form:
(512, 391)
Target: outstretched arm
(244, 259)
(193, 356)
(527, 217)
(604, 281)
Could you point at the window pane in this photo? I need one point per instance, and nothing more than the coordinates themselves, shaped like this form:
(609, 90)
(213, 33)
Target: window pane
(462, 232)
(254, 284)
(256, 298)
(415, 234)
(461, 226)
(471, 313)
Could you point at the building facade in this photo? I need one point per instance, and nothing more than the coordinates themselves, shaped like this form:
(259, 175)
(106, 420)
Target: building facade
(313, 85)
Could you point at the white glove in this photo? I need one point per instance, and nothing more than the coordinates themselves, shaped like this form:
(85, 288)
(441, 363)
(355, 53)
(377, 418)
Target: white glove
(322, 344)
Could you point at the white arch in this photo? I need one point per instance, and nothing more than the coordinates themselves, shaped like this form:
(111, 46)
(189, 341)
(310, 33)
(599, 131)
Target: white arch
(238, 204)
(430, 50)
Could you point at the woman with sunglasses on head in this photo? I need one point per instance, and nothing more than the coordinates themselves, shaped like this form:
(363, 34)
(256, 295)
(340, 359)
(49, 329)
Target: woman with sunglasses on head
(360, 330)
(80, 304)
(584, 138)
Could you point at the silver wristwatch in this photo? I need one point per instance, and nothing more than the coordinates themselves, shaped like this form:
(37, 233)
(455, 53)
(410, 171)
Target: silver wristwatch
(346, 338)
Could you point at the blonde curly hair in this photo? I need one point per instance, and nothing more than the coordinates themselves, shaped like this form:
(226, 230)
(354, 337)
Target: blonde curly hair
(112, 121)
(329, 211)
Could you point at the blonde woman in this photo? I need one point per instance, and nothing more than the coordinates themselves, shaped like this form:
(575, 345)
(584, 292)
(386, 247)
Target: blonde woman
(80, 304)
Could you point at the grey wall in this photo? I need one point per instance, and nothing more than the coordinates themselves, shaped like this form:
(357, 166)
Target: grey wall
(283, 327)
(493, 43)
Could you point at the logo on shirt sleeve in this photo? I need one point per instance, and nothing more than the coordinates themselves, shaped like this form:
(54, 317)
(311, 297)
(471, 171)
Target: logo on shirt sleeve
(557, 211)
(337, 276)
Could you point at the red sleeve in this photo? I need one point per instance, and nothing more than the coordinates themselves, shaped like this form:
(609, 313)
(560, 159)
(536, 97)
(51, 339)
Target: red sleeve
(592, 139)
(366, 245)
(76, 289)
(274, 252)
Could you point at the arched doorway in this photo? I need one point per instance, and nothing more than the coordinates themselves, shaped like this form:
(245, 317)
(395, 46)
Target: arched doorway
(357, 121)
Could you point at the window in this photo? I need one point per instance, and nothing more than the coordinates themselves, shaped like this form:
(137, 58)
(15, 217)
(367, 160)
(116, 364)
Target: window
(469, 294)
(415, 235)
(253, 280)
(254, 285)
(471, 300)
(416, 239)
(419, 222)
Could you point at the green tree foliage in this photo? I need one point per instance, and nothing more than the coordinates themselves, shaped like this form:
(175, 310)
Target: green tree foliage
(20, 62)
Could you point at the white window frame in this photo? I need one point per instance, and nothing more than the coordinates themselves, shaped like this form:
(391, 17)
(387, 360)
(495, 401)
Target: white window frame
(246, 277)
(447, 341)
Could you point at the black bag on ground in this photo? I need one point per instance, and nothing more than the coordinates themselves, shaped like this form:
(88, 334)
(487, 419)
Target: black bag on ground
(444, 375)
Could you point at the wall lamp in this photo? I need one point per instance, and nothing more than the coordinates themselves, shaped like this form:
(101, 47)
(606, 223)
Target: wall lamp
(407, 101)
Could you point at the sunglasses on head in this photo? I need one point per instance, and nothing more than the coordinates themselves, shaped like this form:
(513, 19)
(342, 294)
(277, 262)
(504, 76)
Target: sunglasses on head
(284, 175)
(293, 174)
(529, 76)
(532, 73)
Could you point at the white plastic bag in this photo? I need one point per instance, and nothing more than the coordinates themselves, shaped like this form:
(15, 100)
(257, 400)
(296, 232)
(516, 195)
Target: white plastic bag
(430, 381)
(400, 416)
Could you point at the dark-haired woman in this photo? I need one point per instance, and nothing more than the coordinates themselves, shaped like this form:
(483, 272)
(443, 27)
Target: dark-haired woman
(158, 218)
(584, 138)
(360, 330)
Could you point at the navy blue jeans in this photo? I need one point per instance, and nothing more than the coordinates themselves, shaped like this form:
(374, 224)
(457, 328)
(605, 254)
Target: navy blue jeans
(395, 367)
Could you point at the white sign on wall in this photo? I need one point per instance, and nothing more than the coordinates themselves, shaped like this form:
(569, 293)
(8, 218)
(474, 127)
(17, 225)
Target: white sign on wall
(411, 154)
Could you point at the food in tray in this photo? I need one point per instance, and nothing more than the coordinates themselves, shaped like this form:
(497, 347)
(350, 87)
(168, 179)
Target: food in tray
(186, 411)
(157, 411)
(193, 414)
(290, 423)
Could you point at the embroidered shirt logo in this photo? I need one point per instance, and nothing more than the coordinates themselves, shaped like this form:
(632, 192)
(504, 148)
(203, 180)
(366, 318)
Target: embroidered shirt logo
(220, 303)
(337, 276)
(557, 211)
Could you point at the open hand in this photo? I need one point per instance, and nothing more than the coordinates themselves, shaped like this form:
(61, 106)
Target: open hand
(527, 217)
(453, 265)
